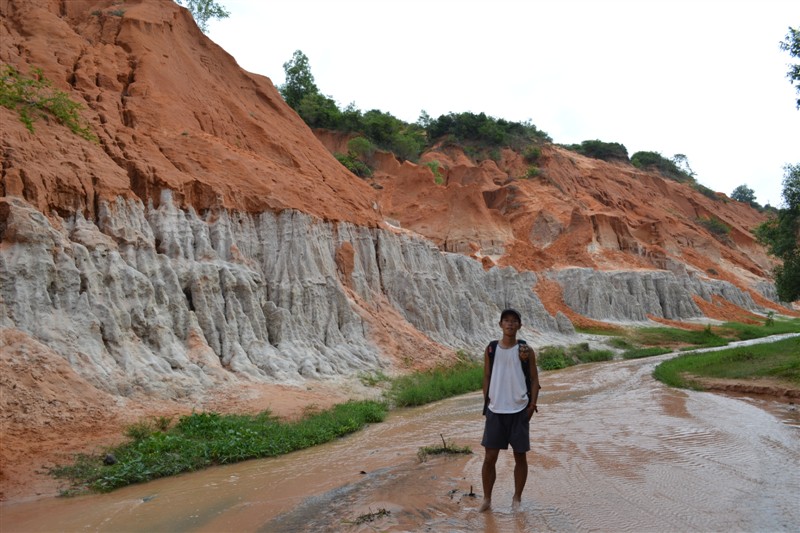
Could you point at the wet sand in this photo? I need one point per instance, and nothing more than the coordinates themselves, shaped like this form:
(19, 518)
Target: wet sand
(613, 450)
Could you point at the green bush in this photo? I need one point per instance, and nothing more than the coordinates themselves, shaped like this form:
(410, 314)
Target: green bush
(532, 154)
(483, 130)
(705, 191)
(594, 356)
(655, 161)
(553, 358)
(319, 111)
(714, 225)
(361, 147)
(597, 149)
(354, 165)
(33, 97)
(532, 171)
(437, 174)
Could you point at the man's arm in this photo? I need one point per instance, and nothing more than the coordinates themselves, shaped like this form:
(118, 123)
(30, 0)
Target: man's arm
(487, 372)
(535, 385)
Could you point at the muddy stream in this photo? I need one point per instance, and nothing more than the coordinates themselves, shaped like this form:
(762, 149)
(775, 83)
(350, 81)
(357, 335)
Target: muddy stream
(613, 450)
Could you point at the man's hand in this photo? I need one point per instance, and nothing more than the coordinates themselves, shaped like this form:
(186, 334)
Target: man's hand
(532, 409)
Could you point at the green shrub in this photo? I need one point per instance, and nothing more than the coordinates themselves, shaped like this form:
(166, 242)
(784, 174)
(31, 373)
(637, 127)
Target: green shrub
(33, 97)
(594, 356)
(619, 342)
(437, 174)
(607, 151)
(361, 147)
(714, 225)
(483, 130)
(553, 358)
(655, 161)
(532, 154)
(705, 191)
(532, 171)
(354, 165)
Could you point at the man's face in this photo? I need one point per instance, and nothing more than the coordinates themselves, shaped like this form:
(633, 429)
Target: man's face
(510, 324)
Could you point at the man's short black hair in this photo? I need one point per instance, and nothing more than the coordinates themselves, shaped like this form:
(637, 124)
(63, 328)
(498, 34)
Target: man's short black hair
(510, 311)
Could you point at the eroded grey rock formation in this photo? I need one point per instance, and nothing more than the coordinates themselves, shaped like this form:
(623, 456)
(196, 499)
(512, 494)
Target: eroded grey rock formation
(627, 296)
(169, 301)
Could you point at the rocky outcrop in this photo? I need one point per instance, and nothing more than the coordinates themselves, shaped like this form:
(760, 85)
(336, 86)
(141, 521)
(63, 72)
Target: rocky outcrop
(167, 301)
(636, 295)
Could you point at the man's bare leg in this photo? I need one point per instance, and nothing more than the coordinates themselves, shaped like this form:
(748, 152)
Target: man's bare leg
(520, 477)
(488, 476)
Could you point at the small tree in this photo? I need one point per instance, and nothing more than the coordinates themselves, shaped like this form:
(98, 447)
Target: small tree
(203, 10)
(682, 162)
(792, 45)
(781, 235)
(299, 80)
(744, 194)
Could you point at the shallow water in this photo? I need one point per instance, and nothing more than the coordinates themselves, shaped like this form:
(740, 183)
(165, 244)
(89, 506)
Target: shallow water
(613, 450)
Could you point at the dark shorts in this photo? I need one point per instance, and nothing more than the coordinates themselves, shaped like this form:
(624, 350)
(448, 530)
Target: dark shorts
(504, 429)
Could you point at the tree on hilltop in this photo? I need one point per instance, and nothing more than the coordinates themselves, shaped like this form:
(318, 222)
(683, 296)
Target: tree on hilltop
(743, 194)
(781, 234)
(792, 45)
(203, 10)
(299, 82)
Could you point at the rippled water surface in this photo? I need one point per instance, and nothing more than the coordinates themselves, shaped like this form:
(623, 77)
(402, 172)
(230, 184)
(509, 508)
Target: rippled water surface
(613, 450)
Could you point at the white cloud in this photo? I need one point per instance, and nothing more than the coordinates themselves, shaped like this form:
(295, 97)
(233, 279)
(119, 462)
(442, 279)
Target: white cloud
(703, 78)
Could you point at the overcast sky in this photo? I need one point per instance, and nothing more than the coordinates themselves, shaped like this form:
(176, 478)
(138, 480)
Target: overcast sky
(702, 78)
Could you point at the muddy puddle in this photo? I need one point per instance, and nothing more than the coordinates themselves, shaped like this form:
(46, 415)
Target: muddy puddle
(613, 450)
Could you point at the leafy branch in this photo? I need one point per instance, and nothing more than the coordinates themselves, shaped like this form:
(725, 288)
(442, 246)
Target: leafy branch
(33, 97)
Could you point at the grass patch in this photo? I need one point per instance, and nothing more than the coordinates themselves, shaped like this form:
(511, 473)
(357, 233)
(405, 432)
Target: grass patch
(558, 357)
(598, 330)
(373, 379)
(660, 336)
(437, 384)
(772, 326)
(778, 360)
(445, 448)
(200, 440)
(637, 353)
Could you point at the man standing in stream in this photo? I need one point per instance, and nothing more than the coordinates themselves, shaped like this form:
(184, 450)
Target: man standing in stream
(510, 390)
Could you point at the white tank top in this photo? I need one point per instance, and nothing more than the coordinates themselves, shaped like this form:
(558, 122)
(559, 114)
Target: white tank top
(507, 391)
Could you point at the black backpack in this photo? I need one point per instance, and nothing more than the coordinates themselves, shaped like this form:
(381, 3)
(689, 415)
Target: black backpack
(526, 369)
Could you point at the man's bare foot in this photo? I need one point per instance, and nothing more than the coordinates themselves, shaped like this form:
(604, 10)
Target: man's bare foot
(485, 506)
(515, 504)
